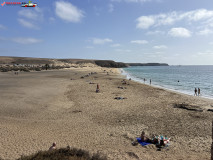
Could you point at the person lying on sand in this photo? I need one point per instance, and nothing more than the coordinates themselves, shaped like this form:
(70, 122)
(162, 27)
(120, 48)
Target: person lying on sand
(121, 87)
(160, 141)
(53, 147)
(119, 98)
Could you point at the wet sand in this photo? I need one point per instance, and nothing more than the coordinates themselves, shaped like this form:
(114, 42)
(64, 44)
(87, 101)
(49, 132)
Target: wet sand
(39, 108)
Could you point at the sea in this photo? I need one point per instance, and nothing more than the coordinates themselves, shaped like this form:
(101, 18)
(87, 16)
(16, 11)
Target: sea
(182, 78)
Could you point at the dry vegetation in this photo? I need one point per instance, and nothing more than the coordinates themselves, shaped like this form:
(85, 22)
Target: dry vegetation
(64, 154)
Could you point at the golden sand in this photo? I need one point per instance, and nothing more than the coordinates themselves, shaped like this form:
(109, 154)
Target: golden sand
(39, 108)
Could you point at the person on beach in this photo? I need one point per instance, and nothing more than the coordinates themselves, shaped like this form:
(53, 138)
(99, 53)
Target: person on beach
(150, 81)
(97, 89)
(124, 81)
(195, 92)
(144, 138)
(53, 147)
(144, 80)
(198, 91)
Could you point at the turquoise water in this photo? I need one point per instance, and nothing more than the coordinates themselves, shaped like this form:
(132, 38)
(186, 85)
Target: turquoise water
(189, 77)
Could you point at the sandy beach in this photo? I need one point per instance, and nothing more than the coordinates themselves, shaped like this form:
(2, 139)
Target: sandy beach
(39, 108)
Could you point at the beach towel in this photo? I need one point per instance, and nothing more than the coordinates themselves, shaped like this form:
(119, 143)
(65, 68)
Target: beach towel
(142, 143)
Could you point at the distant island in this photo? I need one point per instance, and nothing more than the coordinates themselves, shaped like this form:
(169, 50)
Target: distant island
(147, 64)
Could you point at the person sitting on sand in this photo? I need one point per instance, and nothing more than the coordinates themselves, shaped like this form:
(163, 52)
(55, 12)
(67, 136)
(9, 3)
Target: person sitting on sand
(144, 138)
(53, 147)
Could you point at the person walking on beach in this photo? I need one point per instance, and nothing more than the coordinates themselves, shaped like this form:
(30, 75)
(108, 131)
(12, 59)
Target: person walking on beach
(198, 91)
(195, 92)
(150, 81)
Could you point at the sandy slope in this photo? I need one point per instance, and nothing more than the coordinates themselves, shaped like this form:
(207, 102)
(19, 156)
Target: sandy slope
(39, 108)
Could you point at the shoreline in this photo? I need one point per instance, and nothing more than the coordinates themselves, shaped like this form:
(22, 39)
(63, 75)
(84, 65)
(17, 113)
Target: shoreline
(127, 76)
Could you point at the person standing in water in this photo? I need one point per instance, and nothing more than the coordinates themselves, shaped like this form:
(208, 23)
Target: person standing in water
(195, 92)
(198, 91)
(150, 81)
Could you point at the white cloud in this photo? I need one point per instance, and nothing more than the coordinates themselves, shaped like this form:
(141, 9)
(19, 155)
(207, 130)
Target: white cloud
(198, 15)
(139, 42)
(123, 50)
(205, 53)
(111, 7)
(26, 40)
(30, 14)
(180, 32)
(68, 12)
(2, 27)
(101, 41)
(155, 32)
(145, 22)
(27, 24)
(205, 32)
(30, 18)
(22, 40)
(160, 47)
(115, 45)
(171, 18)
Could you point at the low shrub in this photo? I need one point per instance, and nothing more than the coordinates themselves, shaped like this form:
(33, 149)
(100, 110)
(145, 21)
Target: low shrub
(4, 70)
(25, 69)
(15, 69)
(63, 154)
(37, 69)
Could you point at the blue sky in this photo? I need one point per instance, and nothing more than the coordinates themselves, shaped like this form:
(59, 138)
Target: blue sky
(165, 31)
